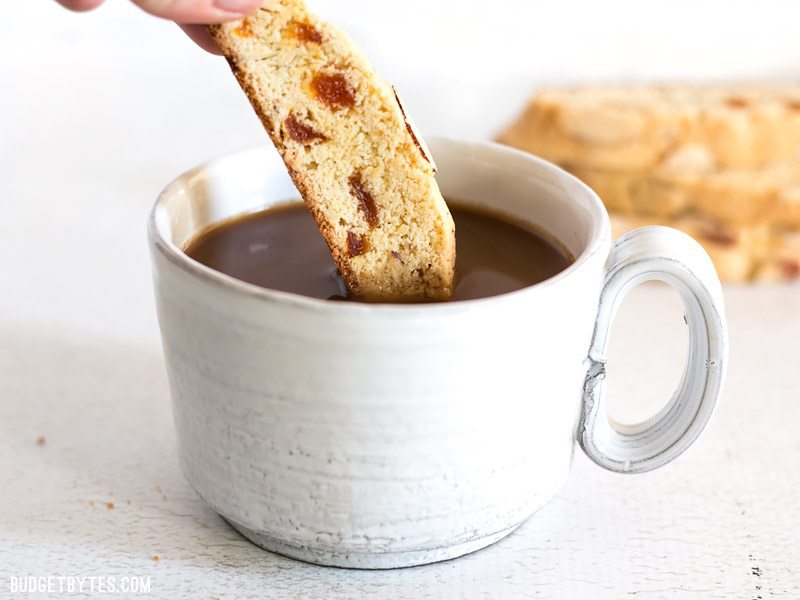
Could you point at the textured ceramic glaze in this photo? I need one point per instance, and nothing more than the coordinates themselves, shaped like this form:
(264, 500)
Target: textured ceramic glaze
(658, 253)
(374, 435)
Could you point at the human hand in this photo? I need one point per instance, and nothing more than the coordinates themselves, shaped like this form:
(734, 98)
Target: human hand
(188, 14)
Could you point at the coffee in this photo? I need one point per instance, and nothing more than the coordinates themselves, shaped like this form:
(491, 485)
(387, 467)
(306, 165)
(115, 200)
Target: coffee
(281, 249)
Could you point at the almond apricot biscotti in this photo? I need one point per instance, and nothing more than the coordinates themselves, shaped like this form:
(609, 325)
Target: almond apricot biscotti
(362, 170)
(638, 129)
(734, 197)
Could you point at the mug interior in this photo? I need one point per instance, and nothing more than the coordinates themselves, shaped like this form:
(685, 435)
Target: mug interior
(508, 183)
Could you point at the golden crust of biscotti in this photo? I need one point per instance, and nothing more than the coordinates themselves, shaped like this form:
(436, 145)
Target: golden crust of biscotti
(737, 197)
(352, 152)
(740, 254)
(648, 127)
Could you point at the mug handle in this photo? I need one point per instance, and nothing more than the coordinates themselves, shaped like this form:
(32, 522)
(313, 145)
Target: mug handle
(665, 254)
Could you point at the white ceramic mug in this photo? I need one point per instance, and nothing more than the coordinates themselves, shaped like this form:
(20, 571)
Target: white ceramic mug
(381, 436)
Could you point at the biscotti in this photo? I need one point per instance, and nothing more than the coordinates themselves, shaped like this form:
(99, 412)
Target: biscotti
(736, 197)
(720, 163)
(740, 254)
(644, 128)
(352, 152)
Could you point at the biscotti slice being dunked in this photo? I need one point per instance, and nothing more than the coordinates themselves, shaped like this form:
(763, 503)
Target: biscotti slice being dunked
(362, 171)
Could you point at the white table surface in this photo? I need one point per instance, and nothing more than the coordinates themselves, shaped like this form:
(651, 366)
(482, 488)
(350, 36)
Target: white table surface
(97, 113)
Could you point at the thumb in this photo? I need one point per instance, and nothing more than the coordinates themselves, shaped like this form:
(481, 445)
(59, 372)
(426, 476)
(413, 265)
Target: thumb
(199, 11)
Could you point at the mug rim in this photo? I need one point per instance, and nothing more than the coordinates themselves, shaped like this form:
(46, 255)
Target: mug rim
(173, 253)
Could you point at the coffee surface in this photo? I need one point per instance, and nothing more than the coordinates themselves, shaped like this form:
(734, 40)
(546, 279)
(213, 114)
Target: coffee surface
(281, 249)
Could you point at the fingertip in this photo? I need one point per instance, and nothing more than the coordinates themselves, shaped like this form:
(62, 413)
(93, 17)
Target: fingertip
(243, 7)
(223, 11)
(199, 11)
(200, 36)
(80, 5)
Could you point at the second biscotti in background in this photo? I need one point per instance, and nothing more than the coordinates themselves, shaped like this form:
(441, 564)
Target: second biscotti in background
(703, 129)
(721, 163)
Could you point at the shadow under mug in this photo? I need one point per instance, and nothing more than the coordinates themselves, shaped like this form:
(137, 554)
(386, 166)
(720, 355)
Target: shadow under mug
(380, 436)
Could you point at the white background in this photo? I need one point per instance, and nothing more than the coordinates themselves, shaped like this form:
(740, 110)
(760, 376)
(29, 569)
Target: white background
(99, 111)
